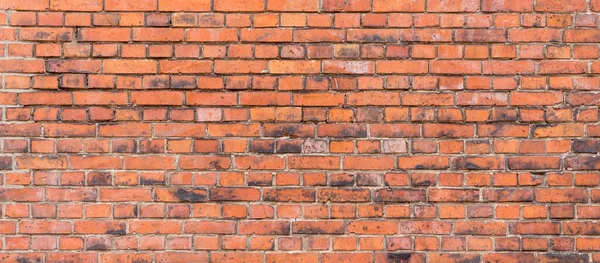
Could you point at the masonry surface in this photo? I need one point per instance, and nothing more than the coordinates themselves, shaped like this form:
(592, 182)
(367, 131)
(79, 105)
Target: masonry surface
(299, 131)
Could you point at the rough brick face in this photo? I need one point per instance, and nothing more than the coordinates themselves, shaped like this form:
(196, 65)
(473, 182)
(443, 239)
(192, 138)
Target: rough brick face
(299, 131)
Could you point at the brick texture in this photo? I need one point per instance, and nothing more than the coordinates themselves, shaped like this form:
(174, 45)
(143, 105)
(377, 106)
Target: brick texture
(299, 131)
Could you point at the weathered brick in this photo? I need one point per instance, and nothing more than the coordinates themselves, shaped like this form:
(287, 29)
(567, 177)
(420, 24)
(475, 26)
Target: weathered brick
(301, 131)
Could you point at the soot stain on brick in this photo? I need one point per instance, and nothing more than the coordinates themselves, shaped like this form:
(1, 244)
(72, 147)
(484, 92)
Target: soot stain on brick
(376, 38)
(473, 230)
(426, 182)
(576, 229)
(159, 83)
(472, 166)
(307, 194)
(505, 116)
(265, 36)
(573, 258)
(348, 52)
(100, 179)
(353, 132)
(116, 232)
(498, 129)
(42, 35)
(218, 165)
(542, 125)
(591, 161)
(280, 229)
(98, 246)
(27, 260)
(181, 84)
(342, 183)
(466, 163)
(398, 257)
(509, 194)
(208, 20)
(150, 147)
(310, 229)
(368, 180)
(64, 36)
(73, 81)
(288, 147)
(151, 181)
(261, 147)
(460, 259)
(5, 163)
(342, 180)
(24, 260)
(187, 19)
(583, 146)
(319, 78)
(529, 165)
(124, 148)
(286, 131)
(446, 133)
(258, 183)
(189, 195)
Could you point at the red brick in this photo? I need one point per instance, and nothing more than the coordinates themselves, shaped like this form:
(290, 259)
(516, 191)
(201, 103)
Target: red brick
(46, 34)
(24, 5)
(264, 228)
(129, 66)
(22, 66)
(373, 35)
(130, 5)
(402, 67)
(507, 6)
(238, 5)
(211, 35)
(534, 35)
(296, 67)
(77, 5)
(295, 6)
(559, 6)
(455, 67)
(398, 6)
(150, 98)
(318, 35)
(104, 34)
(373, 227)
(184, 66)
(184, 6)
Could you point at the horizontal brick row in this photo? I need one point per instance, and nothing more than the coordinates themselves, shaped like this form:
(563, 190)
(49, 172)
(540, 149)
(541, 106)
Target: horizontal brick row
(310, 257)
(321, 195)
(281, 227)
(317, 83)
(310, 213)
(301, 162)
(325, 130)
(259, 179)
(520, 99)
(412, 67)
(239, 146)
(418, 6)
(300, 51)
(285, 35)
(586, 22)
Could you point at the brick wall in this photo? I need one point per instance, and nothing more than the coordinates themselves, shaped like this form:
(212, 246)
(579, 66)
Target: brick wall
(299, 131)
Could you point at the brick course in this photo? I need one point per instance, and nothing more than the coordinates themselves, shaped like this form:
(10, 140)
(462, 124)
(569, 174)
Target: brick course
(299, 131)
